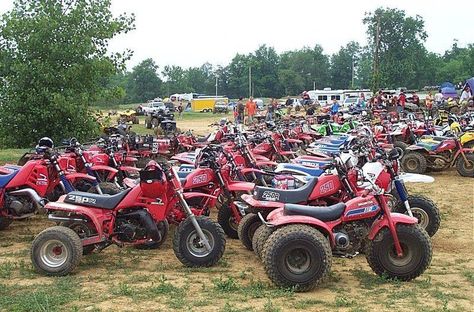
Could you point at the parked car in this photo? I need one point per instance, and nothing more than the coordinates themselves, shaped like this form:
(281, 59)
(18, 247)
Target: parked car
(221, 107)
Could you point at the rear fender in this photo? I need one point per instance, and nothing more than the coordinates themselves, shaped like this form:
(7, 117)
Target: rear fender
(244, 171)
(415, 148)
(73, 177)
(260, 157)
(241, 186)
(296, 141)
(278, 219)
(249, 199)
(88, 212)
(382, 222)
(287, 153)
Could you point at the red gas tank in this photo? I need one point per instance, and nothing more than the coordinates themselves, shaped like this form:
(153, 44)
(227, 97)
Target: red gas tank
(67, 162)
(199, 178)
(33, 174)
(328, 184)
(446, 145)
(361, 208)
(99, 159)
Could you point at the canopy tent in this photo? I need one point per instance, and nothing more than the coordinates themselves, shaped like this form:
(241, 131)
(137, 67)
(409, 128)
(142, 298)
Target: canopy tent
(448, 90)
(470, 83)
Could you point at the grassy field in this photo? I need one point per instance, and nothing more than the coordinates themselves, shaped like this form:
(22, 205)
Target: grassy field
(128, 279)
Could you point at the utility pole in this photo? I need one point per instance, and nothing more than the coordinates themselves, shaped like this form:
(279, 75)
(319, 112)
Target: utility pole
(216, 85)
(352, 81)
(250, 81)
(376, 55)
(314, 85)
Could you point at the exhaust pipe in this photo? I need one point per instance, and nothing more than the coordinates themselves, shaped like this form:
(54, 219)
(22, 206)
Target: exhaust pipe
(38, 200)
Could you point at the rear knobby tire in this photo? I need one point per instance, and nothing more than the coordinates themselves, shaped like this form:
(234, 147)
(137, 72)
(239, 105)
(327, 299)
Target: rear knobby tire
(5, 223)
(186, 244)
(425, 210)
(297, 256)
(83, 230)
(416, 245)
(262, 233)
(247, 226)
(400, 147)
(227, 220)
(465, 170)
(414, 162)
(56, 251)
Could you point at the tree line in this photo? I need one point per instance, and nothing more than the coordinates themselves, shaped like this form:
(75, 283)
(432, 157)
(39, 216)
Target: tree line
(55, 64)
(394, 57)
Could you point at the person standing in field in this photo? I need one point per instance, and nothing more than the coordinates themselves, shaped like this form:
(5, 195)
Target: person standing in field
(429, 104)
(416, 99)
(402, 99)
(270, 110)
(180, 110)
(240, 108)
(251, 108)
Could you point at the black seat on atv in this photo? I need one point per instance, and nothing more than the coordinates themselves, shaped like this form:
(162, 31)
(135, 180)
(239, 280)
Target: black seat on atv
(328, 213)
(286, 196)
(96, 200)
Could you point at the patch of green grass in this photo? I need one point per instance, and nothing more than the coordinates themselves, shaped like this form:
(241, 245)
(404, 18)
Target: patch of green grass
(40, 297)
(11, 155)
(124, 289)
(370, 281)
(232, 308)
(164, 288)
(6, 269)
(306, 303)
(469, 275)
(270, 307)
(341, 301)
(225, 285)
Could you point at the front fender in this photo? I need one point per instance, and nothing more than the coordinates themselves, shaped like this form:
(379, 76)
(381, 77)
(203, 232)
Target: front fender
(112, 171)
(379, 224)
(415, 148)
(244, 171)
(129, 169)
(241, 186)
(73, 177)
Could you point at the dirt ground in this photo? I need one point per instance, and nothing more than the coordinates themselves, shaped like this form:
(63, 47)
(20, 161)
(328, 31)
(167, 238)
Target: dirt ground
(128, 279)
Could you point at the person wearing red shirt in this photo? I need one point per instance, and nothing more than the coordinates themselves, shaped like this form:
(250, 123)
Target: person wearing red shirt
(402, 99)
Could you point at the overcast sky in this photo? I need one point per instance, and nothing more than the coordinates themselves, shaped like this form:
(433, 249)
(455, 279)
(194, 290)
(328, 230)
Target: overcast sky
(192, 32)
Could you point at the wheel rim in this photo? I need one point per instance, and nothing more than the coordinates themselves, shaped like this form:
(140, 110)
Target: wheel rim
(412, 164)
(421, 215)
(469, 165)
(298, 261)
(402, 261)
(233, 225)
(196, 247)
(53, 253)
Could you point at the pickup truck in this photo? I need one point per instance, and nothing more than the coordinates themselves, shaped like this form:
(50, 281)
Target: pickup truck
(154, 107)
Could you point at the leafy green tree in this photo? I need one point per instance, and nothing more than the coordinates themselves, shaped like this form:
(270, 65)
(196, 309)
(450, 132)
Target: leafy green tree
(143, 82)
(238, 71)
(174, 80)
(264, 63)
(54, 64)
(397, 42)
(342, 65)
(311, 66)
